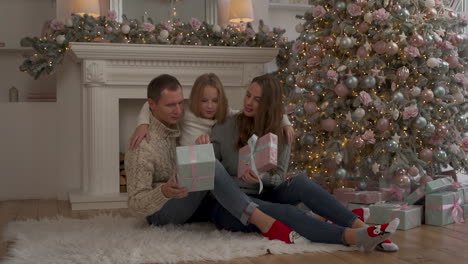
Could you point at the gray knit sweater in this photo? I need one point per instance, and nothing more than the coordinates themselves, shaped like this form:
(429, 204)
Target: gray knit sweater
(224, 138)
(149, 166)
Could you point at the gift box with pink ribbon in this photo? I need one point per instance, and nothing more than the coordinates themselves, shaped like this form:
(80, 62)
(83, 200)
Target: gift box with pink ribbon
(260, 155)
(363, 197)
(392, 193)
(444, 208)
(196, 167)
(438, 185)
(339, 194)
(463, 189)
(417, 195)
(410, 215)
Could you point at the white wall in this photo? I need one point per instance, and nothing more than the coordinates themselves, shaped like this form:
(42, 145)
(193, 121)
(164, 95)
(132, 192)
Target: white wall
(28, 151)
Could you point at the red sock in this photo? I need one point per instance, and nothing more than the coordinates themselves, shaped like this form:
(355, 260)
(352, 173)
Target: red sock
(279, 231)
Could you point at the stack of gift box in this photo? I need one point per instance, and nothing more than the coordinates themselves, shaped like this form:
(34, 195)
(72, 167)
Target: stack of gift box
(438, 202)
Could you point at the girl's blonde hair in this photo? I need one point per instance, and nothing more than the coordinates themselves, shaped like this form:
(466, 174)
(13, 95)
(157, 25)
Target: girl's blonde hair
(204, 80)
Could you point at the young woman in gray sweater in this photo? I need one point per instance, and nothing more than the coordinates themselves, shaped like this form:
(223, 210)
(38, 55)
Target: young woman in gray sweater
(262, 114)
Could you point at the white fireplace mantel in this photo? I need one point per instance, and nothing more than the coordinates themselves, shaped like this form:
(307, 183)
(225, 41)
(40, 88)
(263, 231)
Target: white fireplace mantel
(110, 72)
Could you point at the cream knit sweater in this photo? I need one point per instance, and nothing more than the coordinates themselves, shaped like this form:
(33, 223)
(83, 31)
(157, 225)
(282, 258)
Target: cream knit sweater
(149, 166)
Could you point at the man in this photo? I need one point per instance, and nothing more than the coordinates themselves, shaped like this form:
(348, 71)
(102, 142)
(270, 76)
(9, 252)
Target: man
(151, 167)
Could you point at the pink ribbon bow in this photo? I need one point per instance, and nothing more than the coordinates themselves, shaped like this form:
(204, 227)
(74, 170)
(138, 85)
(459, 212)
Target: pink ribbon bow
(457, 211)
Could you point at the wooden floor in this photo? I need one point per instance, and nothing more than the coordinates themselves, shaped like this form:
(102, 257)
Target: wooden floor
(426, 244)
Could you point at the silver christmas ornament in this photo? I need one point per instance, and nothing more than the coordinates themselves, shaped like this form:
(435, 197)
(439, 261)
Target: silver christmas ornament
(346, 43)
(392, 146)
(430, 128)
(398, 97)
(290, 80)
(317, 88)
(369, 82)
(403, 14)
(358, 114)
(362, 185)
(308, 140)
(420, 122)
(351, 82)
(443, 67)
(439, 91)
(340, 174)
(299, 111)
(441, 156)
(340, 5)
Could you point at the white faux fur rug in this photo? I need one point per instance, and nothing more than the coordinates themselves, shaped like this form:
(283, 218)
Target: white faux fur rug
(110, 239)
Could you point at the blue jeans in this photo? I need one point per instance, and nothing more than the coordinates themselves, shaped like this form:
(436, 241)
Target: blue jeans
(226, 192)
(280, 203)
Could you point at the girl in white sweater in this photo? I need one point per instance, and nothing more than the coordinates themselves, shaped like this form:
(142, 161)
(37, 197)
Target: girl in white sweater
(206, 106)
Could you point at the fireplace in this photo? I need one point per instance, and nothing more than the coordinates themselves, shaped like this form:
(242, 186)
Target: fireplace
(107, 73)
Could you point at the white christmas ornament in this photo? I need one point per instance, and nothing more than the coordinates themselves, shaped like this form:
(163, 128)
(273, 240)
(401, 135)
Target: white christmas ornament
(375, 167)
(69, 22)
(299, 28)
(433, 62)
(359, 113)
(216, 28)
(125, 29)
(429, 3)
(368, 18)
(60, 39)
(338, 158)
(341, 68)
(164, 34)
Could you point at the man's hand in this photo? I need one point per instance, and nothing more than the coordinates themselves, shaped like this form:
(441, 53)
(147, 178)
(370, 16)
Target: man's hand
(203, 139)
(140, 132)
(171, 189)
(249, 177)
(289, 133)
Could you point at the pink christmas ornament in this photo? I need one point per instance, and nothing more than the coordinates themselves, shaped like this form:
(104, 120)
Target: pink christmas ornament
(426, 155)
(328, 124)
(425, 179)
(413, 171)
(310, 107)
(363, 27)
(456, 40)
(417, 40)
(362, 52)
(431, 13)
(452, 61)
(391, 48)
(403, 181)
(316, 50)
(427, 95)
(328, 42)
(442, 131)
(358, 142)
(341, 90)
(383, 124)
(380, 47)
(300, 81)
(403, 73)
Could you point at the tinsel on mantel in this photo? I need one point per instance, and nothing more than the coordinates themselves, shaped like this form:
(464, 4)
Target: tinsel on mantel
(50, 49)
(378, 89)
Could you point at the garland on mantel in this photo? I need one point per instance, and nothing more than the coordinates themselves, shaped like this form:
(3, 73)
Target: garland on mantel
(50, 49)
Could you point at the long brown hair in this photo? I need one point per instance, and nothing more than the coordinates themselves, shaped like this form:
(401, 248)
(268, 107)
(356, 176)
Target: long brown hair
(204, 80)
(269, 112)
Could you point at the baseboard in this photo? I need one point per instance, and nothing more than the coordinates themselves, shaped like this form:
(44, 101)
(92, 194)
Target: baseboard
(85, 201)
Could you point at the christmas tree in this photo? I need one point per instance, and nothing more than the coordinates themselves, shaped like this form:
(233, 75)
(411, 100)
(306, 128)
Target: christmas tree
(377, 89)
